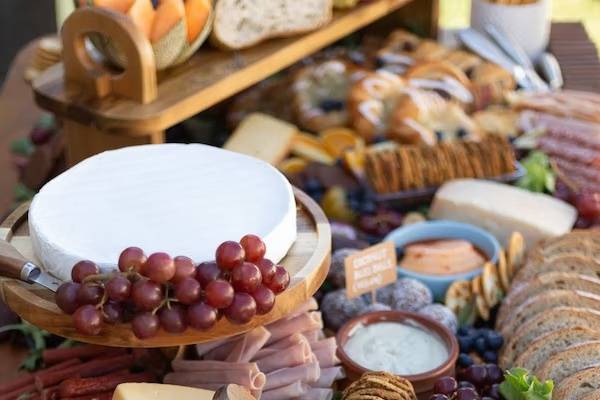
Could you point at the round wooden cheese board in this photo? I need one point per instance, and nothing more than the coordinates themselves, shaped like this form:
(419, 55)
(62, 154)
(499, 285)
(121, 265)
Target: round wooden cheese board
(307, 262)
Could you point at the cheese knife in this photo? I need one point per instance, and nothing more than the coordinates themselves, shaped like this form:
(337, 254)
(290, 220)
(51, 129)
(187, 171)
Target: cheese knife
(14, 265)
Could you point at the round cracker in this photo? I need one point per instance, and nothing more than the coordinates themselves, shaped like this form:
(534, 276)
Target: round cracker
(503, 271)
(516, 253)
(480, 303)
(490, 283)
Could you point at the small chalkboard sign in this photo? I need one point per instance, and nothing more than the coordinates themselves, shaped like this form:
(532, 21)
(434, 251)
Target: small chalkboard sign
(370, 269)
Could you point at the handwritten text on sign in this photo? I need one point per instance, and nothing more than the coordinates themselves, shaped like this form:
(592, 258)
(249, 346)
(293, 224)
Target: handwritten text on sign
(370, 269)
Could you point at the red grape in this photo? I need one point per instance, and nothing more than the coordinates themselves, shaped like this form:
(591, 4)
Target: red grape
(159, 267)
(184, 268)
(89, 293)
(588, 204)
(146, 294)
(466, 394)
(254, 248)
(229, 255)
(246, 277)
(118, 288)
(438, 396)
(173, 318)
(280, 280)
(112, 312)
(208, 272)
(219, 293)
(476, 374)
(264, 298)
(201, 316)
(83, 269)
(267, 269)
(88, 320)
(132, 258)
(66, 297)
(242, 309)
(445, 385)
(188, 291)
(494, 374)
(145, 325)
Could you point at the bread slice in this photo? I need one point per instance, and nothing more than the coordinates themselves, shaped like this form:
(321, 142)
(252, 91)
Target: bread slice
(595, 395)
(583, 242)
(584, 265)
(546, 346)
(243, 23)
(524, 290)
(544, 301)
(570, 361)
(550, 321)
(579, 385)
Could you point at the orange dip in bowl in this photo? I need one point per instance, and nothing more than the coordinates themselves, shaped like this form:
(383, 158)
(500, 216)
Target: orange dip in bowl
(442, 257)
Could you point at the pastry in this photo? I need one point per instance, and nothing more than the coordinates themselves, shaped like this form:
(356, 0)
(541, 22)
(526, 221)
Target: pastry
(463, 60)
(491, 83)
(498, 121)
(319, 94)
(371, 102)
(443, 78)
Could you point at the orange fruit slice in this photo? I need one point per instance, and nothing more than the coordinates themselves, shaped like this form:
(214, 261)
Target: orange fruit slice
(339, 140)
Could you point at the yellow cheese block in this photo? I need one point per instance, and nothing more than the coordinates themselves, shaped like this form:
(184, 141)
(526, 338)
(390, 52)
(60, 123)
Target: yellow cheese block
(264, 137)
(157, 391)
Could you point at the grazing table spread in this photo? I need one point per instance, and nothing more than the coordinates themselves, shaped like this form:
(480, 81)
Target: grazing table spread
(323, 205)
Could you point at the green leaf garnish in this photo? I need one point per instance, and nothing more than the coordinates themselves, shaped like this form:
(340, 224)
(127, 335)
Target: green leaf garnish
(520, 385)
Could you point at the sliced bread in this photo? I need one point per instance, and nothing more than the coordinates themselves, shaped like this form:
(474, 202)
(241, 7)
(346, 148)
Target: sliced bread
(545, 301)
(583, 242)
(524, 290)
(570, 361)
(550, 321)
(546, 346)
(584, 265)
(240, 24)
(579, 385)
(595, 395)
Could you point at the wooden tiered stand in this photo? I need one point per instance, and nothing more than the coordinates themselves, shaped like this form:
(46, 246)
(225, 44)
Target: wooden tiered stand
(102, 109)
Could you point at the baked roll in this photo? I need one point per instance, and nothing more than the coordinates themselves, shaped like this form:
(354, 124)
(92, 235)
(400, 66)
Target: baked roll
(320, 92)
(491, 83)
(443, 78)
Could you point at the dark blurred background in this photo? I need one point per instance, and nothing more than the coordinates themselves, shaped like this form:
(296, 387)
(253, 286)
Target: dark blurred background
(20, 22)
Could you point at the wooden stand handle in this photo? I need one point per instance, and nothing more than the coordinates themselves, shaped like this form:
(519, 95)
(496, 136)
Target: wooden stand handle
(82, 73)
(11, 261)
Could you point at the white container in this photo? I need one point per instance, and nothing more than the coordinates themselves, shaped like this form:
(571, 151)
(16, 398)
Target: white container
(527, 24)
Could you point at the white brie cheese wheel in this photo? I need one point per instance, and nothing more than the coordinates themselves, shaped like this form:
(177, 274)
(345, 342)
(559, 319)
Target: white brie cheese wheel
(177, 198)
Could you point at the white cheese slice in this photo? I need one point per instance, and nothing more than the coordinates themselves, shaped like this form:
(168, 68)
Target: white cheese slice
(158, 391)
(177, 198)
(502, 209)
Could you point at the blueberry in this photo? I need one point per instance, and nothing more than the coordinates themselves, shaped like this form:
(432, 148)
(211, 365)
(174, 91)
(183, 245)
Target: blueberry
(379, 62)
(490, 356)
(354, 204)
(465, 331)
(465, 343)
(368, 207)
(379, 139)
(462, 133)
(494, 340)
(464, 360)
(328, 105)
(439, 135)
(480, 345)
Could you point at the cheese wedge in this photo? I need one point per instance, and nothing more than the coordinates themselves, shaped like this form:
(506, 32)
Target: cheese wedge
(177, 198)
(502, 209)
(157, 391)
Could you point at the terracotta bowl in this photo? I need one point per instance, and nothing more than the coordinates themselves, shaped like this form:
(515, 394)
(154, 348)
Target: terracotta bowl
(423, 383)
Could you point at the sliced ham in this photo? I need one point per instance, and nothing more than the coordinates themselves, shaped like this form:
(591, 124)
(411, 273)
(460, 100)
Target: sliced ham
(209, 365)
(562, 149)
(310, 305)
(579, 132)
(251, 380)
(572, 168)
(290, 357)
(317, 394)
(330, 343)
(314, 336)
(203, 348)
(288, 341)
(328, 376)
(246, 348)
(326, 355)
(306, 373)
(290, 391)
(301, 323)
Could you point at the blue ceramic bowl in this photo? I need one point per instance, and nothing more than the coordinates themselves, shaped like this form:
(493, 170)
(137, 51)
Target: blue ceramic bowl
(443, 230)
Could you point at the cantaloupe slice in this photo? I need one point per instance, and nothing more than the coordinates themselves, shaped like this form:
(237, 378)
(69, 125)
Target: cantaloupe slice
(117, 5)
(142, 13)
(169, 32)
(196, 16)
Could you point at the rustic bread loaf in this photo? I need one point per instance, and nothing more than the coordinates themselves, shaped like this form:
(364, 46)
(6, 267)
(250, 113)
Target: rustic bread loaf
(570, 361)
(595, 395)
(544, 301)
(583, 242)
(579, 385)
(522, 291)
(243, 23)
(546, 346)
(568, 262)
(550, 321)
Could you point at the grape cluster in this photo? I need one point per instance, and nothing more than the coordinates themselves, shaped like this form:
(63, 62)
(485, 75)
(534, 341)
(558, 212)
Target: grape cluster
(477, 382)
(173, 293)
(586, 201)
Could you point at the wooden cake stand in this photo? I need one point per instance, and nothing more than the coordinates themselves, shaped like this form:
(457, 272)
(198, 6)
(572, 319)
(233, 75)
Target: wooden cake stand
(307, 262)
